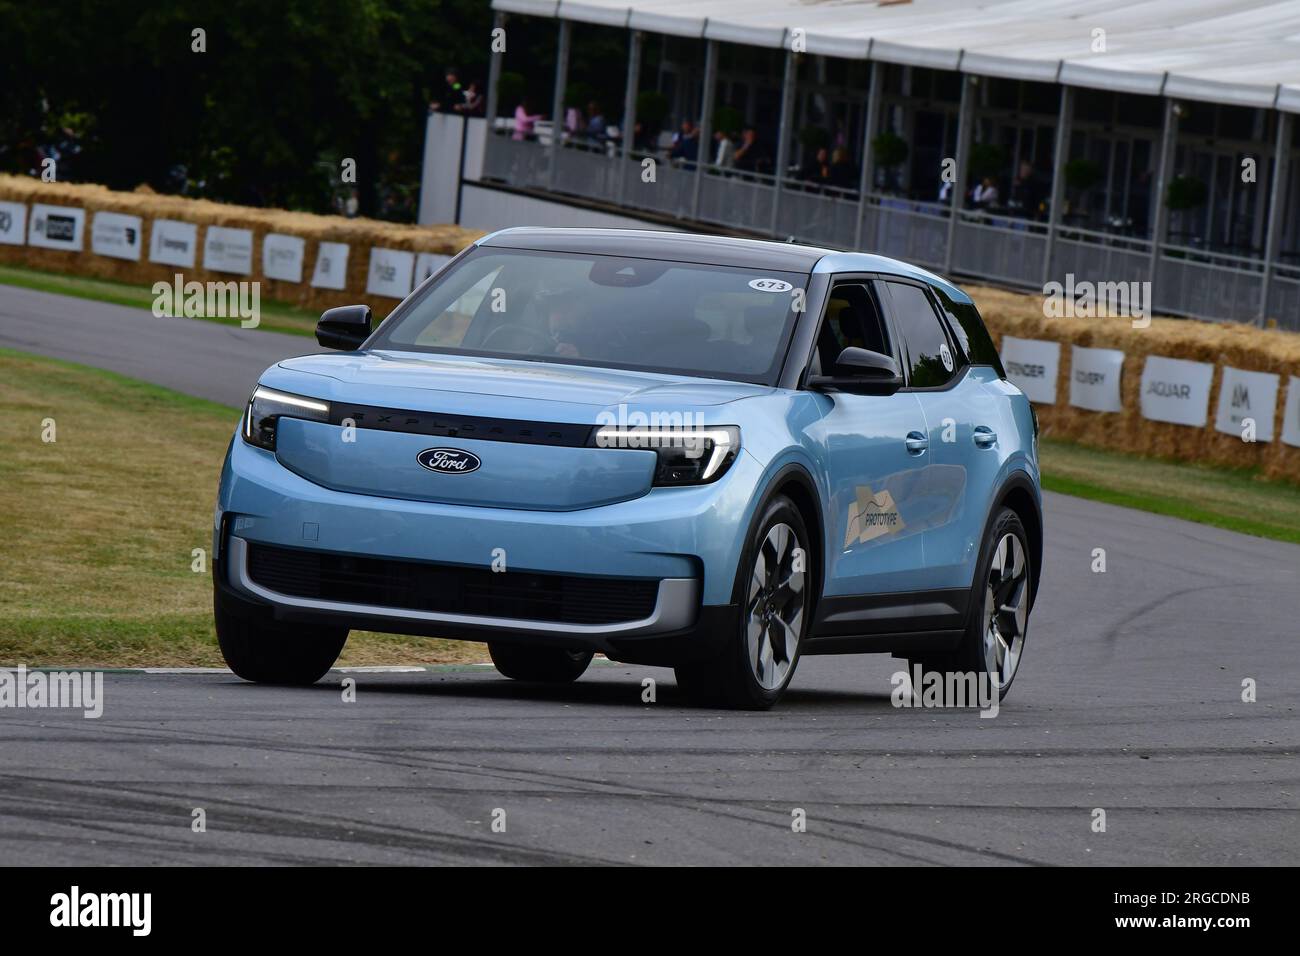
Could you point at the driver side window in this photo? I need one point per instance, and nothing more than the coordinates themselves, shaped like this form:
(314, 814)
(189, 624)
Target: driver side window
(852, 318)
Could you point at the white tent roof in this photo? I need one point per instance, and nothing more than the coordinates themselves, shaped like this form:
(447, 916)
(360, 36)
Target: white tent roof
(1244, 52)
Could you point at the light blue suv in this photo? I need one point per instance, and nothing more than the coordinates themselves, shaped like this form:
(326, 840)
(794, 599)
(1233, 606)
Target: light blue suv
(710, 454)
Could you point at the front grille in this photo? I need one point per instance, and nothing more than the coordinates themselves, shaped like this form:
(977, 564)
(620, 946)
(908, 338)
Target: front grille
(443, 425)
(445, 588)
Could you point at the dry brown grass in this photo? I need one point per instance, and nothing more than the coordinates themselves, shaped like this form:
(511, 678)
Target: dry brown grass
(99, 526)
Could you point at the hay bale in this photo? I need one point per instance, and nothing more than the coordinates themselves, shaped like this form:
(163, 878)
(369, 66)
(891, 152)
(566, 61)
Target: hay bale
(1229, 344)
(360, 235)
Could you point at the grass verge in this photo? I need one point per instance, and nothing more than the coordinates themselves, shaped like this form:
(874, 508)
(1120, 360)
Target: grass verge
(1235, 499)
(274, 316)
(99, 526)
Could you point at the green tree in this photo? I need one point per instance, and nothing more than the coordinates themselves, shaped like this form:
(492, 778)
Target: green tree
(281, 88)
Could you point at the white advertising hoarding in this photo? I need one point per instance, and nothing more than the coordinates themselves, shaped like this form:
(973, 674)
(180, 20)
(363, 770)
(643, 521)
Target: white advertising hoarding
(13, 223)
(1095, 378)
(1291, 414)
(57, 227)
(1032, 366)
(331, 266)
(390, 272)
(427, 263)
(228, 250)
(117, 235)
(282, 257)
(173, 243)
(1244, 395)
(1176, 390)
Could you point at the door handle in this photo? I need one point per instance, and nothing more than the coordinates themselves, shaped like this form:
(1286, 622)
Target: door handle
(916, 443)
(984, 436)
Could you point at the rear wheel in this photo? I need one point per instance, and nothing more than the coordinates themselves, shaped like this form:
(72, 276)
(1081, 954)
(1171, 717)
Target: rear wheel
(546, 665)
(276, 653)
(994, 640)
(775, 584)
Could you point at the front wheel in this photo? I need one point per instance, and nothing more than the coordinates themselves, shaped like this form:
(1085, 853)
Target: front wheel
(276, 653)
(545, 665)
(775, 583)
(994, 640)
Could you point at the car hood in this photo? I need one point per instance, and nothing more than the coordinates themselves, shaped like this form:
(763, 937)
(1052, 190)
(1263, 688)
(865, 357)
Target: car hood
(505, 473)
(430, 381)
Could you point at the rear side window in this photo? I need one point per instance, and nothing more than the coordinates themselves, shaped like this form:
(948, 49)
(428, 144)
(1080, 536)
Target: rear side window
(927, 352)
(972, 334)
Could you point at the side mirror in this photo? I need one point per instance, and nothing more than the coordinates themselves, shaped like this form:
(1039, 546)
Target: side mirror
(863, 371)
(344, 328)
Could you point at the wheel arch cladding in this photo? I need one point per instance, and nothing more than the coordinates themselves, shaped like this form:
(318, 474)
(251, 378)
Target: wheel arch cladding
(1020, 499)
(797, 485)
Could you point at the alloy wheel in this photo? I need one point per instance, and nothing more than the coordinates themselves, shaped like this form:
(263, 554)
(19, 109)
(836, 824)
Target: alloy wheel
(1006, 609)
(774, 610)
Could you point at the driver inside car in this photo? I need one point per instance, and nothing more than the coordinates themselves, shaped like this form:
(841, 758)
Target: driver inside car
(567, 323)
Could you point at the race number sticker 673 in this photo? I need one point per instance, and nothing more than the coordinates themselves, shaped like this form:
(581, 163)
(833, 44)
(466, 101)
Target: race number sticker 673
(769, 285)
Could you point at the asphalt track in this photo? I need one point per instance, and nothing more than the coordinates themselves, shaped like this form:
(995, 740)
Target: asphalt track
(1128, 700)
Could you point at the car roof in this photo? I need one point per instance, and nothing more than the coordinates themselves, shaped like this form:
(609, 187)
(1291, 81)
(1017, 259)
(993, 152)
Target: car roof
(651, 244)
(707, 249)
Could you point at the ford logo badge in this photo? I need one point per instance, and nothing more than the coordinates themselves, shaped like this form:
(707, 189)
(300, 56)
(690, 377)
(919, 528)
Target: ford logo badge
(449, 461)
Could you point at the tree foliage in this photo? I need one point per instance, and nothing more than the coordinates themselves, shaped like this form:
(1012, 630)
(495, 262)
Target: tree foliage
(283, 92)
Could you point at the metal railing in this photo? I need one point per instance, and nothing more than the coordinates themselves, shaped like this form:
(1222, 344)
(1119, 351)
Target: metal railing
(986, 243)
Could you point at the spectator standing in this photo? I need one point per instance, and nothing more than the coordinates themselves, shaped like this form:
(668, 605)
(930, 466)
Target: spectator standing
(1026, 191)
(686, 144)
(597, 126)
(452, 94)
(840, 172)
(726, 152)
(575, 124)
(472, 101)
(747, 153)
(985, 194)
(818, 173)
(525, 120)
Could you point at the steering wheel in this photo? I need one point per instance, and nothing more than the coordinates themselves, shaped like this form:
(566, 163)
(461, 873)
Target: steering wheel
(516, 338)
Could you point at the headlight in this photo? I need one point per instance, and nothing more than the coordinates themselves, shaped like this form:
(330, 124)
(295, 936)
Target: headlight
(687, 456)
(267, 406)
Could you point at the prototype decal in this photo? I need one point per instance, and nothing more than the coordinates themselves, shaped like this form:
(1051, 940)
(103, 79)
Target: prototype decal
(871, 516)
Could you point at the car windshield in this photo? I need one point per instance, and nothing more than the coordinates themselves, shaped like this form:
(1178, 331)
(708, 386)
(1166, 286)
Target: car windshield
(606, 311)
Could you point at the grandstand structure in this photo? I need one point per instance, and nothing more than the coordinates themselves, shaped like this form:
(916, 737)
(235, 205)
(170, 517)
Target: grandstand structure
(1120, 140)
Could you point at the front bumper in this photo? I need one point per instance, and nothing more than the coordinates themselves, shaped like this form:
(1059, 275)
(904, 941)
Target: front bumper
(686, 539)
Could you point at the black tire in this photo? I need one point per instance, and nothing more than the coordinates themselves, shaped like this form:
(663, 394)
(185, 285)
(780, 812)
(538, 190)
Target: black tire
(729, 680)
(275, 653)
(543, 665)
(969, 656)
